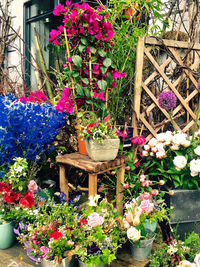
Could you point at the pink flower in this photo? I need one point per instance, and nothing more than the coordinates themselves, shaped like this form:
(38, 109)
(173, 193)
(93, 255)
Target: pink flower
(113, 85)
(140, 140)
(126, 186)
(95, 219)
(70, 242)
(145, 196)
(98, 36)
(58, 9)
(129, 216)
(68, 3)
(117, 75)
(197, 260)
(100, 8)
(146, 206)
(32, 187)
(44, 250)
(146, 183)
(154, 192)
(100, 96)
(171, 192)
(69, 59)
(126, 224)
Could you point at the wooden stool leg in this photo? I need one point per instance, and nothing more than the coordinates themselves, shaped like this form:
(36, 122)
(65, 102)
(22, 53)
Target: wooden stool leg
(119, 189)
(92, 184)
(63, 182)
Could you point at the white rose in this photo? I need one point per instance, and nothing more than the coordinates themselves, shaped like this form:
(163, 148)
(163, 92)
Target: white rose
(195, 167)
(180, 162)
(186, 143)
(161, 137)
(133, 234)
(146, 147)
(174, 147)
(197, 151)
(160, 154)
(154, 149)
(168, 137)
(153, 142)
(145, 153)
(160, 147)
(179, 138)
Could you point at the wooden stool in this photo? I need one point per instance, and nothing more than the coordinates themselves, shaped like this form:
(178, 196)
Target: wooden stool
(93, 168)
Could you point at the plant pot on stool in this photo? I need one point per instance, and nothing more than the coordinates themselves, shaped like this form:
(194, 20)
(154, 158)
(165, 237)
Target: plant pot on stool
(7, 236)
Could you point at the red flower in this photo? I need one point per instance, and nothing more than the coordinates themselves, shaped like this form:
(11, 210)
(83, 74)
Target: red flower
(55, 235)
(83, 222)
(28, 200)
(107, 119)
(89, 127)
(4, 187)
(11, 197)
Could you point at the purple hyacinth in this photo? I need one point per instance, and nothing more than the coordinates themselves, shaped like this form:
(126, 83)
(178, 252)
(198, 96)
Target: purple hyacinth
(167, 100)
(198, 86)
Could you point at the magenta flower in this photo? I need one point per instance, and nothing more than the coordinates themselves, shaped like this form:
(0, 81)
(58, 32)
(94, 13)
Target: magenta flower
(100, 96)
(98, 36)
(58, 10)
(167, 100)
(69, 59)
(198, 86)
(117, 75)
(68, 3)
(140, 140)
(53, 35)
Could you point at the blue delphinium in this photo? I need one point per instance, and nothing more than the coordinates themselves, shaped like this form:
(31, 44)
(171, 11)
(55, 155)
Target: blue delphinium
(27, 129)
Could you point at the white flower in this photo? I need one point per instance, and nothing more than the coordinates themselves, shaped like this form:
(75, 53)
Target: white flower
(179, 138)
(146, 147)
(160, 154)
(180, 162)
(154, 149)
(186, 143)
(174, 147)
(197, 151)
(160, 147)
(18, 169)
(153, 142)
(93, 201)
(195, 167)
(133, 234)
(145, 153)
(161, 137)
(172, 250)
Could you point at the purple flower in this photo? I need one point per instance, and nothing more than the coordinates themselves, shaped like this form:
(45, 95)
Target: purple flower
(198, 86)
(167, 100)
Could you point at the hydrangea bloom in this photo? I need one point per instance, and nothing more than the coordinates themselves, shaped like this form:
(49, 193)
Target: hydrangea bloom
(26, 129)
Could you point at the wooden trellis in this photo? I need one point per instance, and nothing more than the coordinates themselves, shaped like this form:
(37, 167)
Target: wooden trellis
(177, 73)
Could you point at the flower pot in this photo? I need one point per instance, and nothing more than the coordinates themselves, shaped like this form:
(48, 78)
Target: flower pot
(142, 252)
(82, 264)
(7, 236)
(105, 151)
(186, 211)
(81, 144)
(65, 263)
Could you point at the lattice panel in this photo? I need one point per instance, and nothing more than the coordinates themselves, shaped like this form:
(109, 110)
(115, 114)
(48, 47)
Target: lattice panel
(165, 65)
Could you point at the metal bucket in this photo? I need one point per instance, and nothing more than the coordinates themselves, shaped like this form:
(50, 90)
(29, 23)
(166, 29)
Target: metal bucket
(142, 252)
(82, 264)
(65, 263)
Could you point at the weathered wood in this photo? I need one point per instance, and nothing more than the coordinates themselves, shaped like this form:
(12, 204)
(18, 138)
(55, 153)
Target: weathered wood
(92, 184)
(138, 75)
(119, 189)
(172, 43)
(63, 181)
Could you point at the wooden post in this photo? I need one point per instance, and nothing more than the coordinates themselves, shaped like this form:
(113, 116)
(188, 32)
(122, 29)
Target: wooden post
(63, 181)
(119, 189)
(92, 184)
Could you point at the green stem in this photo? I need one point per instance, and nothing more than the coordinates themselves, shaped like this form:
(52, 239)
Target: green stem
(195, 124)
(172, 121)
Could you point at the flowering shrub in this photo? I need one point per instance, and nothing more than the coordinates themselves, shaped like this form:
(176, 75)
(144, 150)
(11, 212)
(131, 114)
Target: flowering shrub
(100, 230)
(26, 129)
(140, 215)
(87, 35)
(94, 128)
(177, 253)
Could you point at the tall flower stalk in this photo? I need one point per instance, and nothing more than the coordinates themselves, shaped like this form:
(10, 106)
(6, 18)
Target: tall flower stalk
(198, 111)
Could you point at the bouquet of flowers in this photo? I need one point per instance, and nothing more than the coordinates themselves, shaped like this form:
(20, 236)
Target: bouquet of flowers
(142, 215)
(100, 229)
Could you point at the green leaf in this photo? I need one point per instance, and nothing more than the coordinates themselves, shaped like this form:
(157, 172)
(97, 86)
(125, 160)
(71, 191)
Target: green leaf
(77, 60)
(81, 48)
(89, 101)
(85, 80)
(75, 74)
(84, 41)
(107, 62)
(109, 78)
(79, 90)
(87, 92)
(102, 84)
(102, 53)
(93, 50)
(103, 69)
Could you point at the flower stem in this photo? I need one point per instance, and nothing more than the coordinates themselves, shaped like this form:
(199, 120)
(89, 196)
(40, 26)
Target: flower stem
(195, 124)
(172, 121)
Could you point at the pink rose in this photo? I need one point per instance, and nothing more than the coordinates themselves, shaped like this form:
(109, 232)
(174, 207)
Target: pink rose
(44, 250)
(197, 260)
(70, 242)
(129, 216)
(95, 219)
(145, 196)
(32, 187)
(146, 206)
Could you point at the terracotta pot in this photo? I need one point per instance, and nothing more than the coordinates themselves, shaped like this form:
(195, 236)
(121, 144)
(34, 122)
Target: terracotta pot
(81, 144)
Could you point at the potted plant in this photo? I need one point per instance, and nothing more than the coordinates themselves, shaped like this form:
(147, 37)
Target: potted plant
(102, 142)
(140, 220)
(100, 233)
(51, 237)
(177, 253)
